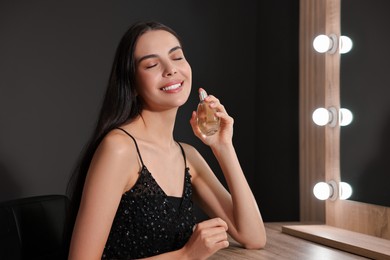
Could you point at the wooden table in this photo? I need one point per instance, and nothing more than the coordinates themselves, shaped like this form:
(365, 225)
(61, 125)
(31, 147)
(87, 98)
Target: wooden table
(283, 246)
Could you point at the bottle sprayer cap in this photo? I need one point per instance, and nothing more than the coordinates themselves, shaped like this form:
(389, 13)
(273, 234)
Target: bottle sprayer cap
(202, 95)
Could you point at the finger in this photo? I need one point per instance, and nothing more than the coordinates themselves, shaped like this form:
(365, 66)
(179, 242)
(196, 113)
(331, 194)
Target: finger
(194, 125)
(218, 107)
(215, 234)
(220, 222)
(211, 98)
(214, 222)
(221, 236)
(216, 239)
(193, 119)
(225, 117)
(222, 244)
(216, 104)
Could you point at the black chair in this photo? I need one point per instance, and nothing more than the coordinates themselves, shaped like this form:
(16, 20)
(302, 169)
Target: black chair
(33, 228)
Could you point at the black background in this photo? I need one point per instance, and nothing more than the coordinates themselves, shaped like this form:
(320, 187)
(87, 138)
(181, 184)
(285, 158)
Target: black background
(55, 59)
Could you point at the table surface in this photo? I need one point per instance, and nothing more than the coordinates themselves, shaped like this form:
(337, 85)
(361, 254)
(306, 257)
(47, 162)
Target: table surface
(283, 246)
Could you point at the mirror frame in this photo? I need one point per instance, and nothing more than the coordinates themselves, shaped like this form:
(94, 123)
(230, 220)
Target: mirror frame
(319, 76)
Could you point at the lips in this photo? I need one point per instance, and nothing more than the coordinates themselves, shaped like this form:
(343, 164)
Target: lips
(172, 87)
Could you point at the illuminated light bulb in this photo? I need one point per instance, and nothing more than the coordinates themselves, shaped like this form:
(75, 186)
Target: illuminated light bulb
(345, 44)
(322, 116)
(346, 117)
(322, 191)
(345, 191)
(328, 190)
(323, 43)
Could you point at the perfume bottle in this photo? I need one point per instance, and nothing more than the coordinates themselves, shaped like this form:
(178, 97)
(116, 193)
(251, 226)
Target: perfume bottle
(207, 121)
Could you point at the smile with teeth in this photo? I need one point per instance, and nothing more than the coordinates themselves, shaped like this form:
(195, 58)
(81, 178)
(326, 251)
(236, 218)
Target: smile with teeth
(175, 86)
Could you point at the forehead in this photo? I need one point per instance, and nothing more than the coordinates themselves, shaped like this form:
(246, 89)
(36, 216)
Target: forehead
(154, 42)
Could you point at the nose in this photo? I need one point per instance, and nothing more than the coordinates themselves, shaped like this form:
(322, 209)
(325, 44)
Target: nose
(170, 70)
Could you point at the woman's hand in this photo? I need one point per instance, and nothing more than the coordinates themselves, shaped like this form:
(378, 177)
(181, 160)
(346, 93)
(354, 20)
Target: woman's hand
(208, 237)
(225, 132)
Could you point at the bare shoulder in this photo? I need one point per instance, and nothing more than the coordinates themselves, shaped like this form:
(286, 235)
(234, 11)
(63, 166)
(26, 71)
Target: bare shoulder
(116, 159)
(117, 142)
(119, 150)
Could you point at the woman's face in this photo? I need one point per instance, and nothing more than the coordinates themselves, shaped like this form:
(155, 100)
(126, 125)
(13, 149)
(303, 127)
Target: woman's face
(163, 75)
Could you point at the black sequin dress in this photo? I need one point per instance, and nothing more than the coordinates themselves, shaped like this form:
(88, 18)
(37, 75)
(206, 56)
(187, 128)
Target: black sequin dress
(148, 222)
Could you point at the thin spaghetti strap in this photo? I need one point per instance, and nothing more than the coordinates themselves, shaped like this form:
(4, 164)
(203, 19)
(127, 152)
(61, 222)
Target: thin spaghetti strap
(184, 154)
(136, 145)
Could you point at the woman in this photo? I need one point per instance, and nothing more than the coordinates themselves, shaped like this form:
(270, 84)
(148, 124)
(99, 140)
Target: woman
(135, 184)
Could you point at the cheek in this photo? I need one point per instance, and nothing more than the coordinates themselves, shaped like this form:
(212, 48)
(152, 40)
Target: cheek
(144, 80)
(188, 71)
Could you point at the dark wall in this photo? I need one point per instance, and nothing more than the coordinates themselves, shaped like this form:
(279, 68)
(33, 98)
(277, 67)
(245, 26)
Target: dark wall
(56, 59)
(276, 109)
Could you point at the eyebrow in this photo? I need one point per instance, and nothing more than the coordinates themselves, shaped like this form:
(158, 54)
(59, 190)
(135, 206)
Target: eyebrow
(155, 55)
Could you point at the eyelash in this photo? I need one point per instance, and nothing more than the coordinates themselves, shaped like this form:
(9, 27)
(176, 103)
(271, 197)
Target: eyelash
(151, 66)
(154, 65)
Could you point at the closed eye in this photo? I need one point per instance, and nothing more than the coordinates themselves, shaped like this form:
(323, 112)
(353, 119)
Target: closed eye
(151, 66)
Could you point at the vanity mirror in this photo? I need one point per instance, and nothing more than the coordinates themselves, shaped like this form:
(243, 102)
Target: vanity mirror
(358, 227)
(365, 89)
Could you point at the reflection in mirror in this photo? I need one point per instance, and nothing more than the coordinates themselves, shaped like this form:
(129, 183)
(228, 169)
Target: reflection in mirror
(365, 90)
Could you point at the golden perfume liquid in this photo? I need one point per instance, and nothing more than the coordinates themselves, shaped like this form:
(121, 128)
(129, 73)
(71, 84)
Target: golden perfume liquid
(207, 121)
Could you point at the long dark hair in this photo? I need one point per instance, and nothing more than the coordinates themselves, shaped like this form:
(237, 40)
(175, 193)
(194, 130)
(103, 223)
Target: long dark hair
(120, 105)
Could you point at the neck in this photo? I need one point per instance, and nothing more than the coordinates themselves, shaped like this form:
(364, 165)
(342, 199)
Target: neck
(155, 127)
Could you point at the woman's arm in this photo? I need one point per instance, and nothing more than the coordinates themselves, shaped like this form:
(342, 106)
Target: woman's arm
(239, 208)
(113, 167)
